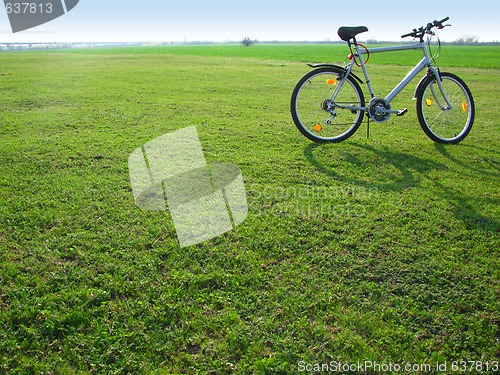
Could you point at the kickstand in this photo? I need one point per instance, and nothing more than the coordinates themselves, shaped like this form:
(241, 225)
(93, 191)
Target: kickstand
(368, 128)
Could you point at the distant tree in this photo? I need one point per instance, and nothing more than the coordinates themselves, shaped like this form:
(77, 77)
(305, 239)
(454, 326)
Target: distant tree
(247, 42)
(467, 40)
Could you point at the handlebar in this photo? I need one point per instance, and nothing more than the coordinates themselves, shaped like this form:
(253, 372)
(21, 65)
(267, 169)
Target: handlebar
(419, 33)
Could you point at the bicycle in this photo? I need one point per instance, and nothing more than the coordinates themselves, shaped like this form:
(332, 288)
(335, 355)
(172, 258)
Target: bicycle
(328, 104)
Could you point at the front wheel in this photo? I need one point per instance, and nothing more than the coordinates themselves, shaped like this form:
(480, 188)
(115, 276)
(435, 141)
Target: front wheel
(326, 107)
(441, 122)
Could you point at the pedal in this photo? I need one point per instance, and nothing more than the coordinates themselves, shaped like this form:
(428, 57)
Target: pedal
(403, 112)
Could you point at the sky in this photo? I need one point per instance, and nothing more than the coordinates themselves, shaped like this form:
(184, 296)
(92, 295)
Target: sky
(264, 20)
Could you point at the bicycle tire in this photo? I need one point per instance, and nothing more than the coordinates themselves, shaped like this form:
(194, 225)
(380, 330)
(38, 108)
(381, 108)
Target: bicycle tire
(308, 100)
(440, 123)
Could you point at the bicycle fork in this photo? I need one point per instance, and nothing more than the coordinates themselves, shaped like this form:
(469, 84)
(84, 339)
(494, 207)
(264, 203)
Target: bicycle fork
(435, 72)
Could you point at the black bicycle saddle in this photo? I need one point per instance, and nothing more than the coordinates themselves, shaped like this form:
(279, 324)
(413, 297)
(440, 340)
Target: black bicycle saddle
(348, 32)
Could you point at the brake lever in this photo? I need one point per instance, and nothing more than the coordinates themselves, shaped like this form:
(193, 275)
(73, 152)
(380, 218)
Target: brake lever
(440, 25)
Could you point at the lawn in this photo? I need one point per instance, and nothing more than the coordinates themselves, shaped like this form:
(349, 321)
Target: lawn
(480, 56)
(375, 249)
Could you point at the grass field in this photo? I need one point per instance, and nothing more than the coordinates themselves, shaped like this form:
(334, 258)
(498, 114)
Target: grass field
(376, 249)
(456, 56)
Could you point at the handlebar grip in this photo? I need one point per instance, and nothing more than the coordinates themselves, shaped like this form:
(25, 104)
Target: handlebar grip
(439, 24)
(406, 35)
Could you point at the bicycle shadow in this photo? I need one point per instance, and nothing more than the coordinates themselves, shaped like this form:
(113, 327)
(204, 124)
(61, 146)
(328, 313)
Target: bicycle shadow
(465, 205)
(404, 172)
(411, 171)
(443, 150)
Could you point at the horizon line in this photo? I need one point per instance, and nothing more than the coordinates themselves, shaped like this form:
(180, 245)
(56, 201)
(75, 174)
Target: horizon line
(201, 42)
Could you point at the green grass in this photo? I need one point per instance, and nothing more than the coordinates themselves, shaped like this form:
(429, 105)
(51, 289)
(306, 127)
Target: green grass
(381, 249)
(451, 55)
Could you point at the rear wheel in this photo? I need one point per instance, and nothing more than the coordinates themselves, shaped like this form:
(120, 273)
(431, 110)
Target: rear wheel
(322, 110)
(443, 123)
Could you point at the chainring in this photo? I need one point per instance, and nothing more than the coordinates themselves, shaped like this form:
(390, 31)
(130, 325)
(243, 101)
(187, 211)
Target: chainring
(377, 109)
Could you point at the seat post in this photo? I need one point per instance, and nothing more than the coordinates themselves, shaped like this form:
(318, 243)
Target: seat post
(353, 42)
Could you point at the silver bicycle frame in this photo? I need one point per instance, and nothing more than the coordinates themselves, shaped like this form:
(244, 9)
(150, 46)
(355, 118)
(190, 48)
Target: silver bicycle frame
(424, 63)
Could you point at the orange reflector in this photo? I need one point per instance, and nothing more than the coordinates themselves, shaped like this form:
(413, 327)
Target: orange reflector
(331, 81)
(428, 102)
(464, 106)
(318, 127)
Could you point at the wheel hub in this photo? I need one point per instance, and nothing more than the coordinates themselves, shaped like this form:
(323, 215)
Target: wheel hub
(327, 105)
